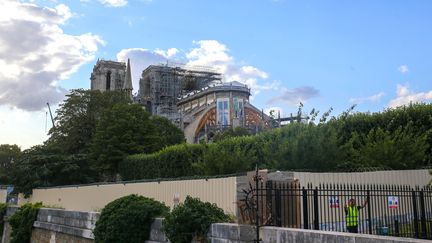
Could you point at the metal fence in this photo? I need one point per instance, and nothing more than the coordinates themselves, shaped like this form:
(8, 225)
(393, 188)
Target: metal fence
(388, 210)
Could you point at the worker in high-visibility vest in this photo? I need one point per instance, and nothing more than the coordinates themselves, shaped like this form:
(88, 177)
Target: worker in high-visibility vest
(352, 215)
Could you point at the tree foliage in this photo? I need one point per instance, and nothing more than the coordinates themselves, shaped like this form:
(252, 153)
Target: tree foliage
(399, 138)
(94, 131)
(128, 129)
(3, 208)
(232, 132)
(78, 116)
(170, 162)
(167, 133)
(128, 219)
(41, 166)
(192, 219)
(22, 222)
(9, 154)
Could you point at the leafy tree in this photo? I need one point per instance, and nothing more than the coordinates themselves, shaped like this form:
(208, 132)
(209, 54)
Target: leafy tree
(232, 132)
(397, 150)
(78, 116)
(228, 156)
(399, 138)
(9, 154)
(167, 133)
(43, 166)
(123, 130)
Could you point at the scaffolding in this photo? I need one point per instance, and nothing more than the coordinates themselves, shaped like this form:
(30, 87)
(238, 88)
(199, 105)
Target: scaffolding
(161, 85)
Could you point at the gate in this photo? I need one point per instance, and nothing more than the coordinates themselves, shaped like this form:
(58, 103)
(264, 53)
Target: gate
(384, 209)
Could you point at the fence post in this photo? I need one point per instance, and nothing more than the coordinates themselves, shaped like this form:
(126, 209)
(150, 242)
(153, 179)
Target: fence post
(422, 215)
(396, 222)
(278, 207)
(316, 214)
(269, 202)
(305, 209)
(416, 226)
(257, 223)
(369, 211)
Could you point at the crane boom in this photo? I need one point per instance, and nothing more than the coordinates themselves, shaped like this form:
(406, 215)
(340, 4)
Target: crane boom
(52, 119)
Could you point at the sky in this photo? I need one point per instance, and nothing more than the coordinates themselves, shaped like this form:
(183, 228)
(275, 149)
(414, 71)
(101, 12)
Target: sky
(322, 53)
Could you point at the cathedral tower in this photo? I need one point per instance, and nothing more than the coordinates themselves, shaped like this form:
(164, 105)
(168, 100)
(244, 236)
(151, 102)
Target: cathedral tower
(111, 75)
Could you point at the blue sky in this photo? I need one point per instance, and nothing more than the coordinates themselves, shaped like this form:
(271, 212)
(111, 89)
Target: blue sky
(376, 54)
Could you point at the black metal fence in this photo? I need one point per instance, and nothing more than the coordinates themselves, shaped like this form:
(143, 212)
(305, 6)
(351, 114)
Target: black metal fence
(388, 210)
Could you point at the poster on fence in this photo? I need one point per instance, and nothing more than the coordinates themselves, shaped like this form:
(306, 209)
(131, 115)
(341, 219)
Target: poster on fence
(334, 202)
(176, 199)
(393, 202)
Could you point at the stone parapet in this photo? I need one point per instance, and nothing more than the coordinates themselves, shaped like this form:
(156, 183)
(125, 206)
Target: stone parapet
(156, 232)
(59, 224)
(234, 233)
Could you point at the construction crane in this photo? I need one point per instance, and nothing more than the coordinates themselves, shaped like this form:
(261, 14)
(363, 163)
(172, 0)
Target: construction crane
(52, 119)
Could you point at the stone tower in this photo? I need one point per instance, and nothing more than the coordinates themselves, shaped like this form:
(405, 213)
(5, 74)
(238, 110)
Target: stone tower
(111, 75)
(127, 85)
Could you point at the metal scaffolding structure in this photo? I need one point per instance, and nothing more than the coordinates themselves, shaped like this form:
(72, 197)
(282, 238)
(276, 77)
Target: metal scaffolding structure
(161, 85)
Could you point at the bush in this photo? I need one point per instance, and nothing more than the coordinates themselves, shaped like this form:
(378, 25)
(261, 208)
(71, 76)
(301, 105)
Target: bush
(3, 207)
(128, 219)
(192, 219)
(171, 162)
(22, 222)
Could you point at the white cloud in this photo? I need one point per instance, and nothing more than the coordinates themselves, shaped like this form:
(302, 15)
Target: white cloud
(209, 53)
(214, 54)
(36, 54)
(114, 3)
(294, 96)
(405, 96)
(170, 53)
(141, 58)
(372, 98)
(403, 69)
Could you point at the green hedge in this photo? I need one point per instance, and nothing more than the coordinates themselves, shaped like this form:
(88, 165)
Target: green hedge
(192, 219)
(128, 219)
(3, 207)
(22, 222)
(170, 162)
(399, 138)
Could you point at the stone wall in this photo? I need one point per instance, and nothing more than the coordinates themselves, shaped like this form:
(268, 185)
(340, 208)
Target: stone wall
(57, 225)
(7, 229)
(156, 233)
(48, 236)
(234, 233)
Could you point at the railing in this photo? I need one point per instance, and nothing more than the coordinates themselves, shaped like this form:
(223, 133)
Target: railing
(383, 209)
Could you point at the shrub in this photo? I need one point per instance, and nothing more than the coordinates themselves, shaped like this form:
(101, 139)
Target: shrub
(192, 219)
(3, 207)
(170, 162)
(128, 219)
(22, 222)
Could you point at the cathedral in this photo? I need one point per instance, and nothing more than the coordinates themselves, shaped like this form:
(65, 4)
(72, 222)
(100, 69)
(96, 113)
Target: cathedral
(193, 98)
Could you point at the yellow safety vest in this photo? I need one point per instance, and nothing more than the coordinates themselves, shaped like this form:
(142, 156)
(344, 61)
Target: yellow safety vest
(352, 216)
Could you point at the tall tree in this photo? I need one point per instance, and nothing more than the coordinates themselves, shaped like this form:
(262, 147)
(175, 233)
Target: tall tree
(77, 118)
(167, 133)
(43, 166)
(123, 130)
(9, 154)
